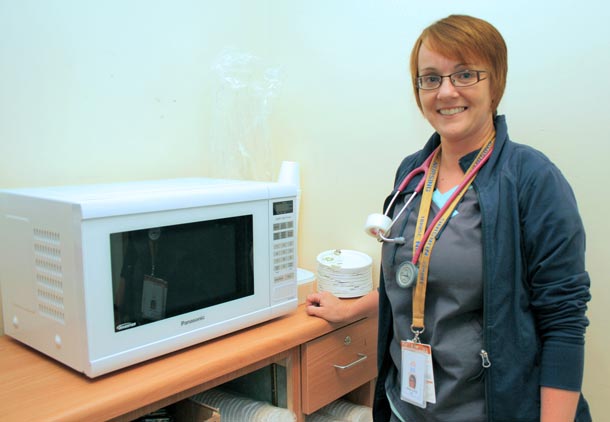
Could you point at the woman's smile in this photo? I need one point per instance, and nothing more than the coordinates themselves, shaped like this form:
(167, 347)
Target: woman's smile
(451, 111)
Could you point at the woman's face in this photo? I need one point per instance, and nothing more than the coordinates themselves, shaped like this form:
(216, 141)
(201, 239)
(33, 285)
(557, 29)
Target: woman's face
(460, 115)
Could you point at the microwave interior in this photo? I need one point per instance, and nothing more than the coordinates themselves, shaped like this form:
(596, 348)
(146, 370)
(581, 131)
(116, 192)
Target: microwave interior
(162, 272)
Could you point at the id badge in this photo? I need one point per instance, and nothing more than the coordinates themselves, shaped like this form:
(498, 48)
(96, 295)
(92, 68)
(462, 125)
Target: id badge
(417, 377)
(154, 294)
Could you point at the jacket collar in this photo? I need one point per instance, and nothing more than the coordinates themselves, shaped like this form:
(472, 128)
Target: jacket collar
(501, 136)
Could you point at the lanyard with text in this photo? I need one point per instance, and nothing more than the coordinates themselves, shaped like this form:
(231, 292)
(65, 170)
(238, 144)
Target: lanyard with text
(424, 240)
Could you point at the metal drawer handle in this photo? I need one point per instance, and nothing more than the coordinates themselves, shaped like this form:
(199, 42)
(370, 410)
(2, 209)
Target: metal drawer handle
(356, 362)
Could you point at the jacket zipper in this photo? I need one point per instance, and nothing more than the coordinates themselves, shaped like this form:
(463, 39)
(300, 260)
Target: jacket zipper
(485, 361)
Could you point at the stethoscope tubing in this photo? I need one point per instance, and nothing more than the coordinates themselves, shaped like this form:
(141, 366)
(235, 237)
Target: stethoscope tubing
(403, 185)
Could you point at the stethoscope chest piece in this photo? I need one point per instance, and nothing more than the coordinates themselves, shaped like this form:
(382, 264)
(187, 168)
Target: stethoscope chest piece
(406, 274)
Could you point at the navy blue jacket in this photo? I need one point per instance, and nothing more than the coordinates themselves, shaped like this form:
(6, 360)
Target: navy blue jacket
(536, 288)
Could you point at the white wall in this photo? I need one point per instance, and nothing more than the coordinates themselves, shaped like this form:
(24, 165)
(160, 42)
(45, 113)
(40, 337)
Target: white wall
(114, 90)
(126, 90)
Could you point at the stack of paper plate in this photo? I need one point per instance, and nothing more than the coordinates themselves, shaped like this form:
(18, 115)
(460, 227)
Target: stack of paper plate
(348, 411)
(342, 411)
(235, 408)
(345, 273)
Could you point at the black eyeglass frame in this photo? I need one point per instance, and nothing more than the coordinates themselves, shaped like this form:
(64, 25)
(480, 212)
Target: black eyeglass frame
(419, 79)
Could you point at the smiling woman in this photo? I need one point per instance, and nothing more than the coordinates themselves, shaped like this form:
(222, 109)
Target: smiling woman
(477, 228)
(459, 68)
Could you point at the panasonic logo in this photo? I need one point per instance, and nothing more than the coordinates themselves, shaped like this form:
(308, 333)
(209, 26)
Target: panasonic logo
(190, 321)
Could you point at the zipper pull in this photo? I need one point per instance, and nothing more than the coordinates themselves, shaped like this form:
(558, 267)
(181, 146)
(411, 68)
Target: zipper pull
(485, 359)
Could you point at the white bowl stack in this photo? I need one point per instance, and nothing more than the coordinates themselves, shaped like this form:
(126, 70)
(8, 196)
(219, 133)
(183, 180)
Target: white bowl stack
(342, 410)
(345, 273)
(235, 408)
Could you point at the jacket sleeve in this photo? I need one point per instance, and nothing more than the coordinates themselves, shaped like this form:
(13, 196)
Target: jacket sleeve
(381, 405)
(554, 247)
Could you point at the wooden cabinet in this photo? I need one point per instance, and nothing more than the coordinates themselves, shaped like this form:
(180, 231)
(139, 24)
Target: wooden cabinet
(337, 363)
(34, 387)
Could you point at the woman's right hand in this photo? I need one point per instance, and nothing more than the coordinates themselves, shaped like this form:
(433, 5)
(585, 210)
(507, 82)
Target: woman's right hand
(331, 308)
(328, 306)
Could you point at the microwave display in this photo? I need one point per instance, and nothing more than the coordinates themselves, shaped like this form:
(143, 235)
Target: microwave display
(166, 271)
(282, 207)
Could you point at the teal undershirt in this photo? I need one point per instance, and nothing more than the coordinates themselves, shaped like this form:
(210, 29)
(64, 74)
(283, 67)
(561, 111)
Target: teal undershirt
(441, 198)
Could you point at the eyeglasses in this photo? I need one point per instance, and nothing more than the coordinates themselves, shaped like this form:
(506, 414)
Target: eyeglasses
(458, 79)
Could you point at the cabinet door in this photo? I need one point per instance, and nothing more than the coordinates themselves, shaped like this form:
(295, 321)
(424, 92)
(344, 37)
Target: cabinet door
(337, 363)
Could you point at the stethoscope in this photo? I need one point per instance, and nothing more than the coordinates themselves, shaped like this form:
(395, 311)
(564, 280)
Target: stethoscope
(379, 225)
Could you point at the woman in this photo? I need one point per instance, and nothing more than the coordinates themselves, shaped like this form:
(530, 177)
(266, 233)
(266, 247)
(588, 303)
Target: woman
(498, 292)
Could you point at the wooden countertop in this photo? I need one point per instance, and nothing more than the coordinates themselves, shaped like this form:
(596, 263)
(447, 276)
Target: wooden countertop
(34, 387)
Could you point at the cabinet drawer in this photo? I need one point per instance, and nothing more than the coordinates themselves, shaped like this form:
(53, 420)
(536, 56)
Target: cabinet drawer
(337, 363)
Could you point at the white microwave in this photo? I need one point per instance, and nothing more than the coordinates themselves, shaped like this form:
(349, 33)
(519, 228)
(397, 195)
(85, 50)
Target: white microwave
(100, 277)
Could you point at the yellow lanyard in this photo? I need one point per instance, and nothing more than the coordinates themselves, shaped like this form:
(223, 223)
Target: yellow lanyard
(422, 253)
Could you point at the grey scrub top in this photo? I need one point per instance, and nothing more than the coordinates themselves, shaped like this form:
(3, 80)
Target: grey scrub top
(453, 312)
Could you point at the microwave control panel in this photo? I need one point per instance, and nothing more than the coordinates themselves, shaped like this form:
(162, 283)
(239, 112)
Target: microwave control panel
(284, 241)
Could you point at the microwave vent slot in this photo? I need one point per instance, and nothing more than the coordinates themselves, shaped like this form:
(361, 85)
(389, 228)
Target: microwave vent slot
(47, 236)
(51, 312)
(49, 275)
